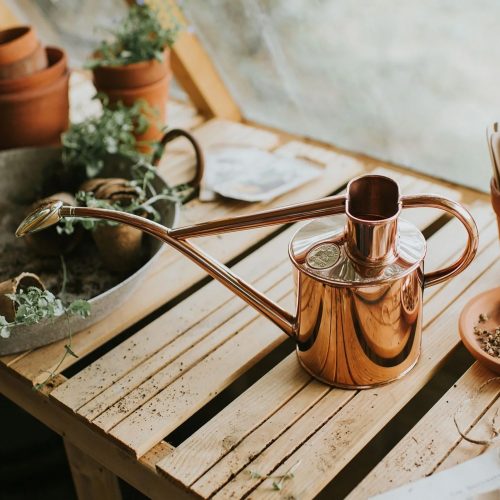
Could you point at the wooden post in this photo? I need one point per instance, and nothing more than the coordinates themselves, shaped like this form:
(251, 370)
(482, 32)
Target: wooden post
(91, 479)
(196, 73)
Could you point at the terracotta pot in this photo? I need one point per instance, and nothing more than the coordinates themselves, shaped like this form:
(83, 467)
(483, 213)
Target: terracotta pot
(132, 75)
(495, 201)
(146, 80)
(50, 242)
(14, 285)
(25, 67)
(36, 116)
(20, 52)
(156, 95)
(120, 246)
(110, 189)
(57, 63)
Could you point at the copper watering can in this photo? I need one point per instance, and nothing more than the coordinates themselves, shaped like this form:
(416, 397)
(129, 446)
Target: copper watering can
(358, 273)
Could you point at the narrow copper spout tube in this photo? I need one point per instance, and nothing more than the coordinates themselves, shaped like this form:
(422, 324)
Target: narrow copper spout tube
(292, 213)
(279, 316)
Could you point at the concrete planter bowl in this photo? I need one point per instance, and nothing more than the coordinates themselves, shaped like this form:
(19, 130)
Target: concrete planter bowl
(24, 172)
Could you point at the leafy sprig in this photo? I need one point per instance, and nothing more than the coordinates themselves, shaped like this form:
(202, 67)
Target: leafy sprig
(34, 305)
(87, 143)
(140, 37)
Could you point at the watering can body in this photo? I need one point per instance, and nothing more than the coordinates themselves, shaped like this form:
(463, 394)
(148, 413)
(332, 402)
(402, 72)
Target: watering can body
(356, 327)
(358, 269)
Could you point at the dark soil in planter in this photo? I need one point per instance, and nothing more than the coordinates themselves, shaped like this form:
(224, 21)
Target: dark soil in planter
(87, 276)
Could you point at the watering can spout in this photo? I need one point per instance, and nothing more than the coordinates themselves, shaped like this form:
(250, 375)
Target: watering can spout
(51, 213)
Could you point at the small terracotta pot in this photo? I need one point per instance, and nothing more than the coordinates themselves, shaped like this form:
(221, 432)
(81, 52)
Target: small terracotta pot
(132, 75)
(57, 63)
(35, 116)
(110, 189)
(120, 246)
(156, 95)
(50, 242)
(147, 80)
(17, 43)
(14, 285)
(20, 52)
(495, 201)
(25, 67)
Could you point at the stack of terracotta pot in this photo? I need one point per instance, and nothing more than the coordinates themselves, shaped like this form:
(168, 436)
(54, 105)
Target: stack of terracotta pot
(34, 104)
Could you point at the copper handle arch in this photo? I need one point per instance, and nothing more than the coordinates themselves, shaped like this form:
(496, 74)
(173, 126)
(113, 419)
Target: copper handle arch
(200, 161)
(463, 215)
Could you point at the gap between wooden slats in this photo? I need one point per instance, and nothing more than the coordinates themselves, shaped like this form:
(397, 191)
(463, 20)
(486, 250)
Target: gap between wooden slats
(125, 430)
(178, 273)
(187, 452)
(333, 446)
(434, 443)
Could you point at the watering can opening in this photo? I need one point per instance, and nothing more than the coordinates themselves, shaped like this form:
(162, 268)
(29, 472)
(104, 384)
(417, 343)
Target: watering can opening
(373, 207)
(373, 198)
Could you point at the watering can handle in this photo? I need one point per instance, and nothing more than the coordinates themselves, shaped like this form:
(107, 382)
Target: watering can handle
(463, 215)
(200, 162)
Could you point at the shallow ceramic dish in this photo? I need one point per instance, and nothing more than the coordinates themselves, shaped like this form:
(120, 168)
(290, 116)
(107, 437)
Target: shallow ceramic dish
(23, 173)
(485, 303)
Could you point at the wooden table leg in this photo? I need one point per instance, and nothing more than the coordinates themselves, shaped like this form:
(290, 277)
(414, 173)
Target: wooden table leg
(91, 479)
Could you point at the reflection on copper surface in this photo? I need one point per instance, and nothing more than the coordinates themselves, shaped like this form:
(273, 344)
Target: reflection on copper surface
(359, 283)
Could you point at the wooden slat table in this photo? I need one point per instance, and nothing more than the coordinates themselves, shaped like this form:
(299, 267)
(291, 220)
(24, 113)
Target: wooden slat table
(149, 410)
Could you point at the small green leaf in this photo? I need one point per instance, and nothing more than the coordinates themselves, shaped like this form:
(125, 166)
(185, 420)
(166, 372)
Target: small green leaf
(5, 331)
(79, 307)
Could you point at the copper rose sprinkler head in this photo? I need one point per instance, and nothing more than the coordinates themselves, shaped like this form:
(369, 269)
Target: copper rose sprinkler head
(44, 216)
(358, 272)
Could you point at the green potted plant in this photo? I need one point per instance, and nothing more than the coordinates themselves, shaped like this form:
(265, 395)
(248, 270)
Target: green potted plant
(87, 144)
(135, 64)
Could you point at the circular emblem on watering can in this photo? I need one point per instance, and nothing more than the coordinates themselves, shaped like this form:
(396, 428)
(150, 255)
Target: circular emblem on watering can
(323, 256)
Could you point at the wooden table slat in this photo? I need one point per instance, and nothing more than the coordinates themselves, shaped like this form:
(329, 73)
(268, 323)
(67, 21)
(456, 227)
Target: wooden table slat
(173, 405)
(434, 443)
(177, 377)
(218, 436)
(184, 350)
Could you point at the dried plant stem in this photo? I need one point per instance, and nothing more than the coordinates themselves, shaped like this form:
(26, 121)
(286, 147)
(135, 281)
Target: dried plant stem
(495, 431)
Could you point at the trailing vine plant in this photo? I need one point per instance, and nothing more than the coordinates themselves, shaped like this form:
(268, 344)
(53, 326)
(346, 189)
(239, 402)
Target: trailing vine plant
(34, 305)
